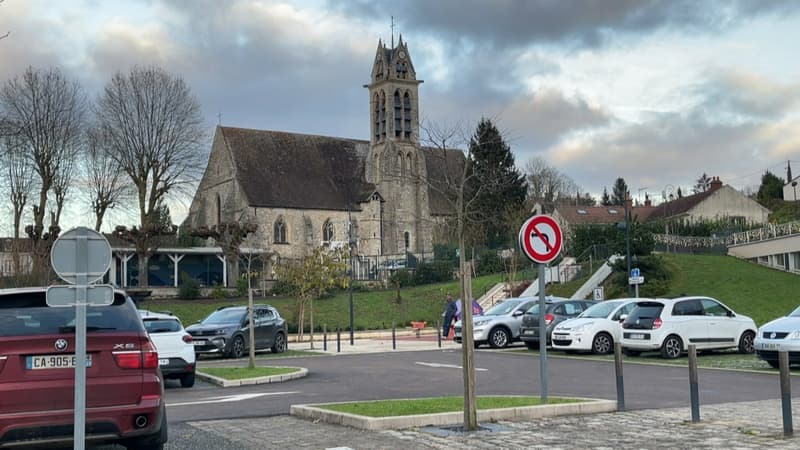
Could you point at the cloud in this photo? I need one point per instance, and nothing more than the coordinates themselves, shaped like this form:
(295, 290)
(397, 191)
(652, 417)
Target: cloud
(571, 22)
(738, 95)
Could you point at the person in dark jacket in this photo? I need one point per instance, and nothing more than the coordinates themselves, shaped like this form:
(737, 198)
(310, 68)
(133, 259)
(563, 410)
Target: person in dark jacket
(449, 315)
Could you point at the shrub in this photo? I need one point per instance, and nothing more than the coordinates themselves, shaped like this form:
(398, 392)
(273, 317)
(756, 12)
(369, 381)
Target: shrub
(217, 292)
(189, 288)
(402, 277)
(241, 287)
(283, 287)
(489, 261)
(435, 272)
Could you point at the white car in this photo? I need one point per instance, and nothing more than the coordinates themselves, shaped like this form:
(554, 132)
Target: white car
(499, 325)
(782, 334)
(671, 325)
(176, 356)
(595, 330)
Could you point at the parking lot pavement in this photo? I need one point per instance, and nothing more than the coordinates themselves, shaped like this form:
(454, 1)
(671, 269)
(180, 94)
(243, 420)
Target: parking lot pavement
(377, 342)
(747, 425)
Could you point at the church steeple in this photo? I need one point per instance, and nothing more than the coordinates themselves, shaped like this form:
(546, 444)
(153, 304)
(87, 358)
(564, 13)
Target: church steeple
(393, 90)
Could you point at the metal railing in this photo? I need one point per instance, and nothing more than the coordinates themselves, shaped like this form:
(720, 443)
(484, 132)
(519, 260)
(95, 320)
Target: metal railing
(770, 231)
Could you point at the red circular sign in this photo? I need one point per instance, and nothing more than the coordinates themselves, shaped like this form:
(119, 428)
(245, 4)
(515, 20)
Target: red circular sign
(540, 239)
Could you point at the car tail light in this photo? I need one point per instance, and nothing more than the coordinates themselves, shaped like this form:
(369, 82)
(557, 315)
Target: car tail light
(187, 338)
(657, 324)
(2, 362)
(147, 358)
(548, 319)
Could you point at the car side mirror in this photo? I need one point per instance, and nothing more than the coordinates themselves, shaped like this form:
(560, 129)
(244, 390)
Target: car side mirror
(622, 317)
(518, 313)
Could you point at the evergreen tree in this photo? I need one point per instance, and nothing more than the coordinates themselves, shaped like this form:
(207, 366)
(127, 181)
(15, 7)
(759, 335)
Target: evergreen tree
(702, 184)
(771, 188)
(606, 199)
(497, 185)
(680, 192)
(620, 191)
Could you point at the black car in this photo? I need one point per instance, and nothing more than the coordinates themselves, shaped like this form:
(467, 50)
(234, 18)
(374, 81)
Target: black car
(225, 331)
(555, 313)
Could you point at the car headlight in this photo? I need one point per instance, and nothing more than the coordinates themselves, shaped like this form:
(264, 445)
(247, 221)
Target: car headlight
(794, 335)
(221, 331)
(481, 323)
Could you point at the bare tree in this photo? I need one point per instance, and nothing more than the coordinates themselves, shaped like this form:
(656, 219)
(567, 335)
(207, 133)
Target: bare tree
(106, 181)
(19, 176)
(61, 184)
(45, 112)
(546, 184)
(155, 132)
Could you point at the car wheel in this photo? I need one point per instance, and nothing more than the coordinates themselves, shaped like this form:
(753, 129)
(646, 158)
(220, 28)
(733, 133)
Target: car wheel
(602, 344)
(498, 338)
(237, 347)
(746, 342)
(187, 380)
(280, 343)
(628, 352)
(672, 347)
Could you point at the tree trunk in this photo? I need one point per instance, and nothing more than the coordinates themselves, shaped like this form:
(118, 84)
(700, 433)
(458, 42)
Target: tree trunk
(301, 313)
(311, 312)
(468, 347)
(143, 261)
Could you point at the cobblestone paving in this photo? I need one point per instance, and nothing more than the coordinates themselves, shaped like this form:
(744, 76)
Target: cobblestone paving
(732, 426)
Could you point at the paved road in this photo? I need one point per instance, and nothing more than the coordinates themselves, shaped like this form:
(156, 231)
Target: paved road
(431, 373)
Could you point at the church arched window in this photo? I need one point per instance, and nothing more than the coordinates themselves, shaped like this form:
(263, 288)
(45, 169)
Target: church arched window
(401, 169)
(398, 130)
(279, 231)
(410, 164)
(309, 230)
(382, 103)
(407, 116)
(327, 231)
(377, 118)
(219, 210)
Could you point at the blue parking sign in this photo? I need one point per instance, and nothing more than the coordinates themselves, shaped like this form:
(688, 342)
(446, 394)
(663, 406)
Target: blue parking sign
(635, 272)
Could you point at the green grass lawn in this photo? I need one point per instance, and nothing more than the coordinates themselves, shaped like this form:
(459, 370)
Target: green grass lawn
(389, 408)
(239, 373)
(759, 292)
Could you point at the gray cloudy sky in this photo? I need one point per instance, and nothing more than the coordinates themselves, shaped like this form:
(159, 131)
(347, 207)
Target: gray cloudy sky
(657, 92)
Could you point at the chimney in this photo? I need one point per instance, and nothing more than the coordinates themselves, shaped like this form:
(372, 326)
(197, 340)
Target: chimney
(648, 202)
(715, 184)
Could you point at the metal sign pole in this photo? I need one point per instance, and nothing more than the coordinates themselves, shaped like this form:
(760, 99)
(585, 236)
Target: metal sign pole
(542, 336)
(81, 262)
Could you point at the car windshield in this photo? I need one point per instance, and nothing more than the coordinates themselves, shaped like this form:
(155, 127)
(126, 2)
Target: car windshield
(224, 316)
(600, 310)
(502, 309)
(795, 313)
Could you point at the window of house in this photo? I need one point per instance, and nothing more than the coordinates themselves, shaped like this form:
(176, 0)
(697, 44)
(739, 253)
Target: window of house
(582, 211)
(327, 231)
(279, 230)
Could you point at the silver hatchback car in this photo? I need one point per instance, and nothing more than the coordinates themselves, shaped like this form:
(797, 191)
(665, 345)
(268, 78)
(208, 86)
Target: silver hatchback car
(499, 325)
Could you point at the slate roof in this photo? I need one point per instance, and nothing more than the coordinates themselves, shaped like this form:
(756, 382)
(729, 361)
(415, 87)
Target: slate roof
(291, 170)
(679, 205)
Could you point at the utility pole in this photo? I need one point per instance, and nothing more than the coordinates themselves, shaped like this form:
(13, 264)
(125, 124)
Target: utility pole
(628, 237)
(352, 243)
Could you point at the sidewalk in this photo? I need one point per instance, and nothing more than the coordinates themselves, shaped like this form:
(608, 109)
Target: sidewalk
(375, 342)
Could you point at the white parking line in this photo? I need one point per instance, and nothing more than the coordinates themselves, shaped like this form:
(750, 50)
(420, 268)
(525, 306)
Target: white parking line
(231, 398)
(447, 366)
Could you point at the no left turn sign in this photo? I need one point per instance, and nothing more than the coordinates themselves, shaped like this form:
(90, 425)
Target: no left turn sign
(540, 239)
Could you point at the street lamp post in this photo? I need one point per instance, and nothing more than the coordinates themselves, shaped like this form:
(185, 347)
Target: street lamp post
(628, 202)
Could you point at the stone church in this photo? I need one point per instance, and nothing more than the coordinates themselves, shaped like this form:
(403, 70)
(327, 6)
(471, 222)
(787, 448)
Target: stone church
(387, 194)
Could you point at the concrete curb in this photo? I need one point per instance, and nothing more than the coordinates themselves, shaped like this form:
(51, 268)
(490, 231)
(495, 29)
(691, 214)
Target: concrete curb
(313, 412)
(300, 373)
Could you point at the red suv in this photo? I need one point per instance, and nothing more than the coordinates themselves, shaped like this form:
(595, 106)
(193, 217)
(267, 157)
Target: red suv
(124, 388)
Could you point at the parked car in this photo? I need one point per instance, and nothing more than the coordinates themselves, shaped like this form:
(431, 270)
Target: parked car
(176, 356)
(225, 331)
(499, 325)
(124, 389)
(670, 325)
(595, 330)
(557, 310)
(779, 335)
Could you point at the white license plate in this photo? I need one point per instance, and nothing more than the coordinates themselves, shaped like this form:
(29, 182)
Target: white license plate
(54, 362)
(528, 332)
(163, 362)
(768, 346)
(636, 336)
(199, 342)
